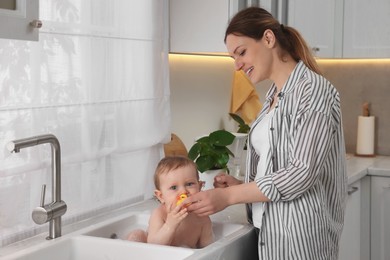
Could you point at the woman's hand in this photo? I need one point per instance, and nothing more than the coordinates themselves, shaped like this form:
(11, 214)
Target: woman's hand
(207, 202)
(224, 180)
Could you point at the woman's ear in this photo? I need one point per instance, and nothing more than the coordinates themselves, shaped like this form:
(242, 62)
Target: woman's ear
(158, 195)
(269, 38)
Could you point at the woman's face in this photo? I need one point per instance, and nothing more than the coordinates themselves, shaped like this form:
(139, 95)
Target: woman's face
(251, 56)
(176, 182)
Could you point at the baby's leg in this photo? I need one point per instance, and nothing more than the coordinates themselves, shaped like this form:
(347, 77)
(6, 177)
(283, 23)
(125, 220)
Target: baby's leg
(137, 235)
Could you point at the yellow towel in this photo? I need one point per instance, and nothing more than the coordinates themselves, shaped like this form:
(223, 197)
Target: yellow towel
(245, 100)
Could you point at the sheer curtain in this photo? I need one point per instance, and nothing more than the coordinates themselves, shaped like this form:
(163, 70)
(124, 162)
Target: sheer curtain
(98, 80)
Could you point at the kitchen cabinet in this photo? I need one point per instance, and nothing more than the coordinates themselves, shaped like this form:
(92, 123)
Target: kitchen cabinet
(380, 218)
(20, 20)
(343, 29)
(350, 237)
(332, 28)
(366, 29)
(198, 26)
(319, 23)
(354, 242)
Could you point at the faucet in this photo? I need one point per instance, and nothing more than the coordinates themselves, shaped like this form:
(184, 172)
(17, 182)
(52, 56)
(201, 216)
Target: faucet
(53, 211)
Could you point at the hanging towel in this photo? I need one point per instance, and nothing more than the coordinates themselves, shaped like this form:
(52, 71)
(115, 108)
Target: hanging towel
(244, 100)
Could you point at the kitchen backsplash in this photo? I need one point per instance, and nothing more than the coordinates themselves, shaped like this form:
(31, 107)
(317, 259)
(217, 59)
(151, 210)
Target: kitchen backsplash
(360, 81)
(201, 86)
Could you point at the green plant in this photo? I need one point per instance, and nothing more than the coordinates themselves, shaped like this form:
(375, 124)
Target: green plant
(242, 126)
(211, 152)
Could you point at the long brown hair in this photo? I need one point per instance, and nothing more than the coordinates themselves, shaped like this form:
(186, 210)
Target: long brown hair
(253, 21)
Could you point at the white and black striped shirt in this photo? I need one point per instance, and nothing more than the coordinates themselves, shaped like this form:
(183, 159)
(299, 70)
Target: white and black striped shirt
(306, 173)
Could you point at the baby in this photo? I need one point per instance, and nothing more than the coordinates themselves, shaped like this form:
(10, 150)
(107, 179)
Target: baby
(170, 224)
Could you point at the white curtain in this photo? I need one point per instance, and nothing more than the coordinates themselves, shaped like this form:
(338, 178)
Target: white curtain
(98, 80)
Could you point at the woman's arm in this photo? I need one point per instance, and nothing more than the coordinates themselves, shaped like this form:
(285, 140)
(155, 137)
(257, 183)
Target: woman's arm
(208, 202)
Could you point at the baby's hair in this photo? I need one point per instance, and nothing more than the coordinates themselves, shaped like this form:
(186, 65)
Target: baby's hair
(171, 163)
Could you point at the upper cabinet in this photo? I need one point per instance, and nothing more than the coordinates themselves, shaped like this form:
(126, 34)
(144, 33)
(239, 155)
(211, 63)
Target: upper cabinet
(319, 23)
(366, 28)
(343, 29)
(20, 19)
(332, 28)
(198, 26)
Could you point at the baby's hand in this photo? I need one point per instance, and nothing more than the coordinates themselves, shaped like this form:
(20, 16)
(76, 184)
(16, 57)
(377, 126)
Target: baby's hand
(176, 215)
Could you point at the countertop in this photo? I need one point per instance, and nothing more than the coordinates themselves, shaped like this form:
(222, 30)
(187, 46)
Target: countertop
(358, 167)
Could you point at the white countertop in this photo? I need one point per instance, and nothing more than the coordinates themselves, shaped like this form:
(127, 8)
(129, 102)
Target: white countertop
(358, 167)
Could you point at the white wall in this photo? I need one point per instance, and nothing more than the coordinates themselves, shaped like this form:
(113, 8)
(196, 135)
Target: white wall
(200, 95)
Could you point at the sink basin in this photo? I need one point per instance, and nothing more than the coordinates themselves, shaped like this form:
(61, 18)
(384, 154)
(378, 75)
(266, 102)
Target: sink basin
(121, 227)
(233, 240)
(86, 247)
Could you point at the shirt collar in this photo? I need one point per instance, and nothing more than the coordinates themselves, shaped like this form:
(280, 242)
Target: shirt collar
(294, 77)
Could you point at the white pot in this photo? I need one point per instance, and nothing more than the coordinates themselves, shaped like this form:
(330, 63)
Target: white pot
(237, 148)
(208, 178)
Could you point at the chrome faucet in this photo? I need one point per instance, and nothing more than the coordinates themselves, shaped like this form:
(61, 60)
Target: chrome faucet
(53, 211)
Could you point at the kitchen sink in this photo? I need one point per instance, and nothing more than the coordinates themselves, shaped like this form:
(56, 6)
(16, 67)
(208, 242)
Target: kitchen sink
(86, 247)
(120, 227)
(107, 240)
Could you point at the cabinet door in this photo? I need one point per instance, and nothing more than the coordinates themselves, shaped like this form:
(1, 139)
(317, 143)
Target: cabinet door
(198, 26)
(350, 238)
(380, 218)
(15, 21)
(319, 22)
(366, 29)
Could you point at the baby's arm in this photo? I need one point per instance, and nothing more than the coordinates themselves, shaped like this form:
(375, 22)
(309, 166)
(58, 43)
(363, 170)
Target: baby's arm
(207, 234)
(162, 231)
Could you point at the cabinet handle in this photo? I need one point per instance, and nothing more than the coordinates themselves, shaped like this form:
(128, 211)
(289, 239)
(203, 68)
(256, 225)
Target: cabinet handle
(36, 24)
(352, 190)
(315, 49)
(386, 188)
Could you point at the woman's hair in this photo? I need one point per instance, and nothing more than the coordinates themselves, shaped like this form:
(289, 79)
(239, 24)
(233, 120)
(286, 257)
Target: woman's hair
(253, 21)
(171, 163)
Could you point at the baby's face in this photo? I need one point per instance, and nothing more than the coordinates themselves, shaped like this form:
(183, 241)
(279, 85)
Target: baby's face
(176, 182)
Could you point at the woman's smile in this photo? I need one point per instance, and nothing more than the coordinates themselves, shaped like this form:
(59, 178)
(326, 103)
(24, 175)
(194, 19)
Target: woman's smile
(248, 71)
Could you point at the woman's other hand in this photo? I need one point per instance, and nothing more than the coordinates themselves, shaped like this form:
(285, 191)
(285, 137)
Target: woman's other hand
(224, 180)
(207, 202)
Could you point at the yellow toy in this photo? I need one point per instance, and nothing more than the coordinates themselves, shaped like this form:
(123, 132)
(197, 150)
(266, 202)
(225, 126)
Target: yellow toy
(180, 199)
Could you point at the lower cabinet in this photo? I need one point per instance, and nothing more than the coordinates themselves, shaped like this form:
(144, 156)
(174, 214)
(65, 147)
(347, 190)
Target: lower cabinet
(380, 218)
(355, 239)
(350, 238)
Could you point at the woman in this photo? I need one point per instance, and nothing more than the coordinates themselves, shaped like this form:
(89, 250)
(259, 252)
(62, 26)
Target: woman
(295, 185)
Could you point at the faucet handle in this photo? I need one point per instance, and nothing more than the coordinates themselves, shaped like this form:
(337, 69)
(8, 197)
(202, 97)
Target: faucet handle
(43, 192)
(45, 213)
(42, 214)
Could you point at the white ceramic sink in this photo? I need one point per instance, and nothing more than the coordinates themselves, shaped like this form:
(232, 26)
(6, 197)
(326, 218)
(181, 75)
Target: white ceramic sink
(86, 247)
(233, 241)
(121, 226)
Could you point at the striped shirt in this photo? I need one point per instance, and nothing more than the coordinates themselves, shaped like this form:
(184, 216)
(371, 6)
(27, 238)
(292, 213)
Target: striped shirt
(305, 177)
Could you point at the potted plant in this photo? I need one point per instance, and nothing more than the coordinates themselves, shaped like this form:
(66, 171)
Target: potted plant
(211, 152)
(211, 155)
